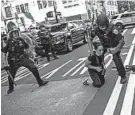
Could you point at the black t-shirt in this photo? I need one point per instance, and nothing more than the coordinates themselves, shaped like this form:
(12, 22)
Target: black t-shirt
(96, 60)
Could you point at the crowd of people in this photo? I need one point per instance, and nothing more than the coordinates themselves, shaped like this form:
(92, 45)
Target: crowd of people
(20, 50)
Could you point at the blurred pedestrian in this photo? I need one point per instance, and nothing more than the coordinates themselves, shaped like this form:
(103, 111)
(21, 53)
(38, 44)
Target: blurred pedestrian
(47, 42)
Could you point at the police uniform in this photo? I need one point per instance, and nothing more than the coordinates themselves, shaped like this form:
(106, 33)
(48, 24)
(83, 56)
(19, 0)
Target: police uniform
(17, 58)
(47, 43)
(112, 38)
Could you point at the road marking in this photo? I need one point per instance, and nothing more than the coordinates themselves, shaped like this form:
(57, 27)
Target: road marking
(78, 70)
(124, 31)
(109, 110)
(81, 61)
(20, 72)
(49, 74)
(129, 96)
(133, 32)
(23, 76)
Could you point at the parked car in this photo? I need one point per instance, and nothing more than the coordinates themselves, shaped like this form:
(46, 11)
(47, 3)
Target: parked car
(123, 19)
(67, 34)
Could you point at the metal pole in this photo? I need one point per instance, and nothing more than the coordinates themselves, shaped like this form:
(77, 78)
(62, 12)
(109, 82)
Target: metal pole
(55, 11)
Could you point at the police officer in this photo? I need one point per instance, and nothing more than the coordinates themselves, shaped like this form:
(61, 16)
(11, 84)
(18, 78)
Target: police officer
(47, 41)
(17, 57)
(113, 41)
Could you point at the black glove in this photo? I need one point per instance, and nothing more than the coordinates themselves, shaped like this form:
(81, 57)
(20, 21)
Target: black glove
(6, 68)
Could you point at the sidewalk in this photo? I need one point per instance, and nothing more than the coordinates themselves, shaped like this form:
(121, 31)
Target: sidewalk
(68, 97)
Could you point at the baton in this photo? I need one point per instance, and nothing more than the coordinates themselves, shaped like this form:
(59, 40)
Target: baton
(10, 76)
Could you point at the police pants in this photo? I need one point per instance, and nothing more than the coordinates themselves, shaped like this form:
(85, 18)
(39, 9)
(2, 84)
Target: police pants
(49, 48)
(26, 62)
(97, 77)
(118, 63)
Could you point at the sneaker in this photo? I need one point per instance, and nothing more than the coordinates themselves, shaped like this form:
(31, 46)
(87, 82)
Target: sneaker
(86, 82)
(10, 90)
(43, 83)
(56, 57)
(123, 80)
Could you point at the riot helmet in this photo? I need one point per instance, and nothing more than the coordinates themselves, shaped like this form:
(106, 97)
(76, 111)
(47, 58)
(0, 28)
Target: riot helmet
(102, 21)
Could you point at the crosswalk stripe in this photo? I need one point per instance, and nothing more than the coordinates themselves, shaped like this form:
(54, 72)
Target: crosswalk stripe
(109, 110)
(25, 74)
(129, 96)
(133, 32)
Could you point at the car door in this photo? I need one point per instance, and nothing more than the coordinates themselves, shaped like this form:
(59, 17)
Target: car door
(72, 30)
(126, 18)
(133, 18)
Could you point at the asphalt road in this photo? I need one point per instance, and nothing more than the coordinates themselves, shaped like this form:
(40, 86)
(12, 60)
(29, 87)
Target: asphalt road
(111, 99)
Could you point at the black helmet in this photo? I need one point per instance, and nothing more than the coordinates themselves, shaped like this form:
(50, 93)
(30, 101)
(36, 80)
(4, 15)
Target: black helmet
(102, 20)
(41, 26)
(14, 29)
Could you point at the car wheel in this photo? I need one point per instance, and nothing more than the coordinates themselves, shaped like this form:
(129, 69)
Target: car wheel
(119, 26)
(85, 38)
(69, 45)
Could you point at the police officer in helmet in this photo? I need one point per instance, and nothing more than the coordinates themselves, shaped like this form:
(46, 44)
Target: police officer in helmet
(17, 57)
(47, 41)
(113, 41)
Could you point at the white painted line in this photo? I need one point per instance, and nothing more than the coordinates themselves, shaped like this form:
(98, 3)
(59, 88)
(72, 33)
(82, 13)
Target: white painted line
(133, 32)
(77, 70)
(109, 62)
(129, 96)
(81, 61)
(124, 31)
(109, 110)
(49, 74)
(23, 76)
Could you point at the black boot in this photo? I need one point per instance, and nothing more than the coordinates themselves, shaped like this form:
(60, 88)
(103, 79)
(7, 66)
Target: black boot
(48, 59)
(43, 83)
(123, 80)
(10, 90)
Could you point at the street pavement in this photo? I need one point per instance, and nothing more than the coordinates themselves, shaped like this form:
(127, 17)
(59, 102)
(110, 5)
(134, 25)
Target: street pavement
(65, 93)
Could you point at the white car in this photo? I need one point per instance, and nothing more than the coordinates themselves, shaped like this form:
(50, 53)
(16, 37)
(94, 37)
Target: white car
(123, 19)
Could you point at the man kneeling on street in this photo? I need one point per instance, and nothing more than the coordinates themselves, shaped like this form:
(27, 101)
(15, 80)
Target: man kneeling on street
(17, 57)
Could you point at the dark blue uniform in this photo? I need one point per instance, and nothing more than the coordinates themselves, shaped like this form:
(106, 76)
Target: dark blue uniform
(17, 58)
(111, 40)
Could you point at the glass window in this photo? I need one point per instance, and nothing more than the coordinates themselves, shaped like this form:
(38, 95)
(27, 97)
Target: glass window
(26, 7)
(22, 8)
(64, 1)
(114, 17)
(50, 3)
(18, 10)
(39, 4)
(44, 3)
(69, 1)
(8, 11)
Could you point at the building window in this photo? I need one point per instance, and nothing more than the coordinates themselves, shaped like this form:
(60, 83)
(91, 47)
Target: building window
(18, 10)
(50, 3)
(39, 4)
(22, 8)
(26, 7)
(8, 11)
(44, 3)
(64, 1)
(69, 1)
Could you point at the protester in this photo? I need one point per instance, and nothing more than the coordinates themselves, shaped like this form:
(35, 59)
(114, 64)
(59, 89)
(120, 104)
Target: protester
(95, 65)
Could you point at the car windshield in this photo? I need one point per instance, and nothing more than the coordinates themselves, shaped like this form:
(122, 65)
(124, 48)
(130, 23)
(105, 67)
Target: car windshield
(114, 17)
(58, 28)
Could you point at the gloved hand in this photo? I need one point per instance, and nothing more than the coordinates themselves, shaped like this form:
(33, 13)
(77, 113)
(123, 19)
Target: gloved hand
(6, 68)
